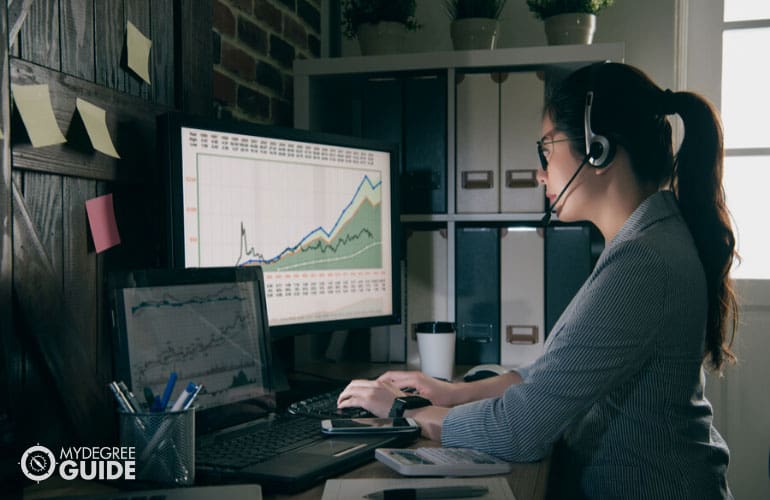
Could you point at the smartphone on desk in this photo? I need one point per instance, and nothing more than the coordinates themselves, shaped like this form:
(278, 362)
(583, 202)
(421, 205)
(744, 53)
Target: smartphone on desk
(369, 426)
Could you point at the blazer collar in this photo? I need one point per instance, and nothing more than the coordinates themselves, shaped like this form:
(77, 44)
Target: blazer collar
(658, 206)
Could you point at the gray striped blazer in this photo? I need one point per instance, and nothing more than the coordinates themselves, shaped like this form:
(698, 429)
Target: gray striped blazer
(620, 384)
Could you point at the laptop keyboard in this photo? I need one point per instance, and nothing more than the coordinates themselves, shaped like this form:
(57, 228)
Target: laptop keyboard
(324, 406)
(260, 443)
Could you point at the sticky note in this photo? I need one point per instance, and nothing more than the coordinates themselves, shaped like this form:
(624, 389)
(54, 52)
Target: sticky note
(138, 52)
(34, 104)
(95, 120)
(101, 219)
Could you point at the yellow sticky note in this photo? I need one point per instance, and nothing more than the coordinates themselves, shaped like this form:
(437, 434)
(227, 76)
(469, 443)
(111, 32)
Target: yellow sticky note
(95, 120)
(138, 52)
(34, 103)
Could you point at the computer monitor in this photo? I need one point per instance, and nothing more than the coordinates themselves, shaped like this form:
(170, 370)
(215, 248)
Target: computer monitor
(318, 213)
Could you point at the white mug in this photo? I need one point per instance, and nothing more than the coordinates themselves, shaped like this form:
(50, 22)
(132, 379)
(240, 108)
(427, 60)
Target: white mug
(436, 343)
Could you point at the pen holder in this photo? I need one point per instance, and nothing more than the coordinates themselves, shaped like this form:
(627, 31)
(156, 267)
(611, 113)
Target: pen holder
(164, 445)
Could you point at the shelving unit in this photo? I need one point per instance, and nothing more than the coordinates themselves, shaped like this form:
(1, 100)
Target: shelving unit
(328, 98)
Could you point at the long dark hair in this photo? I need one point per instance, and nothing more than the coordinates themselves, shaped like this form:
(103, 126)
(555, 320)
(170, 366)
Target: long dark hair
(630, 110)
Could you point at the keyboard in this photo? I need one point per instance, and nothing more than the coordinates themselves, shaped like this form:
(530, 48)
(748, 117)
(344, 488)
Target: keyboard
(324, 406)
(258, 443)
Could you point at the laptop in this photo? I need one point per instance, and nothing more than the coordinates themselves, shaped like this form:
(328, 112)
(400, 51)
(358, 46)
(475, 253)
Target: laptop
(209, 325)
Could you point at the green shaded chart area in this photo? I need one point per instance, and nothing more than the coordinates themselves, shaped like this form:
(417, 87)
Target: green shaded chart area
(357, 244)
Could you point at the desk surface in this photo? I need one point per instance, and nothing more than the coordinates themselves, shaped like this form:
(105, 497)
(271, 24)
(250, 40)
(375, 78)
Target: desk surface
(528, 481)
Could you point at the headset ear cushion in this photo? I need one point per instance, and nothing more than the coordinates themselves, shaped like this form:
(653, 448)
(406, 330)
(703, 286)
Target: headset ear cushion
(601, 151)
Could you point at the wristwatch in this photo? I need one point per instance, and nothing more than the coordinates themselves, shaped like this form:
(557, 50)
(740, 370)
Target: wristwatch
(403, 403)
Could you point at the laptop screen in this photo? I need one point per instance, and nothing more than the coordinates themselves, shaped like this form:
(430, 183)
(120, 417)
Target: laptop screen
(207, 325)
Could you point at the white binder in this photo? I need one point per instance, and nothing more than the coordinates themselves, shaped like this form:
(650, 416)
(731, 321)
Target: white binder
(478, 147)
(521, 105)
(522, 295)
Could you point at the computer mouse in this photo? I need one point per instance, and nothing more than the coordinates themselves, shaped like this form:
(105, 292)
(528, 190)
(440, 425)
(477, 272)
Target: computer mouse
(484, 371)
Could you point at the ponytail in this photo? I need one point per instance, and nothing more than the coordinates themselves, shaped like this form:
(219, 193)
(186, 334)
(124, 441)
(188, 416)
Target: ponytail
(636, 119)
(697, 182)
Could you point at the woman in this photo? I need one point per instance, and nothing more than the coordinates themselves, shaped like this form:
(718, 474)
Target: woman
(617, 396)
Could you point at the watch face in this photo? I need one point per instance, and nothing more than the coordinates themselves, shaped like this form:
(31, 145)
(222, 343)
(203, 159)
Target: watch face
(412, 402)
(407, 403)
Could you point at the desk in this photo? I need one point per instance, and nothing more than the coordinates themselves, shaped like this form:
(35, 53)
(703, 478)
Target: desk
(528, 481)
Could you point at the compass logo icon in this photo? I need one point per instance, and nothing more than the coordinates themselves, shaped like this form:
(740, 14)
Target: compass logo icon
(38, 463)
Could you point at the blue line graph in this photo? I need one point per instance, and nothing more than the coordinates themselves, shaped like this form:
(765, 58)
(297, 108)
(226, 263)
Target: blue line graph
(320, 229)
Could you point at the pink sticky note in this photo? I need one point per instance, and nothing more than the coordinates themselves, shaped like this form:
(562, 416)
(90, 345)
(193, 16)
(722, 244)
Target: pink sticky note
(101, 218)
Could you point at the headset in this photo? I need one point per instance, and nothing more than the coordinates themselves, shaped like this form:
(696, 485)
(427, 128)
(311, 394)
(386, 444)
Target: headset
(599, 153)
(599, 150)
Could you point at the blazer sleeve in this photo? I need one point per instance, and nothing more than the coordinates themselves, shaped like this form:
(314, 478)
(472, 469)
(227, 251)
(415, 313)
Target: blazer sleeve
(606, 338)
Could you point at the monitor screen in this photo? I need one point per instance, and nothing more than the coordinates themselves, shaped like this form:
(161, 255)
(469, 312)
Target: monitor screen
(209, 326)
(318, 214)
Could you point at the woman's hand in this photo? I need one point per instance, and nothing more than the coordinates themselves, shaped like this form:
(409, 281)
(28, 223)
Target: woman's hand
(374, 395)
(440, 393)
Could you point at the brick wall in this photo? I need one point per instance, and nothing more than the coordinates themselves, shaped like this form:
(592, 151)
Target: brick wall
(255, 43)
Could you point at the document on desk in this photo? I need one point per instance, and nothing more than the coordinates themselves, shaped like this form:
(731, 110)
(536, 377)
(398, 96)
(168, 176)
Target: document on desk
(344, 489)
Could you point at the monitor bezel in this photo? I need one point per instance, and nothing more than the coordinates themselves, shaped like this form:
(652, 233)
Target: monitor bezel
(169, 128)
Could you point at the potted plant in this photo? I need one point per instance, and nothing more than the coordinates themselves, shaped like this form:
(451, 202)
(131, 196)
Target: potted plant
(379, 25)
(568, 21)
(475, 23)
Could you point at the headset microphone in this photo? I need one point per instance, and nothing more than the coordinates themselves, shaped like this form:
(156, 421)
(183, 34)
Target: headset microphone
(547, 217)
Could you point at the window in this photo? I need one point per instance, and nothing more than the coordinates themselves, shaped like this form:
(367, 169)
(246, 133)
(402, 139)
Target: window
(745, 109)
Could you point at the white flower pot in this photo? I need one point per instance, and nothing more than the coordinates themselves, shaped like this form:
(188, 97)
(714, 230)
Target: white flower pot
(474, 33)
(385, 37)
(567, 29)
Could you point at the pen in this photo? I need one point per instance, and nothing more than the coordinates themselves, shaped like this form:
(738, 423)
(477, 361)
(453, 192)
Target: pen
(429, 492)
(182, 399)
(167, 392)
(160, 433)
(149, 397)
(130, 396)
(192, 397)
(122, 401)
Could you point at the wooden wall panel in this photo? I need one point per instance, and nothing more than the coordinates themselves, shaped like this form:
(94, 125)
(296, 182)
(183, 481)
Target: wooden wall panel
(109, 38)
(162, 53)
(138, 12)
(77, 38)
(79, 263)
(131, 121)
(52, 328)
(43, 196)
(10, 358)
(51, 279)
(194, 73)
(39, 35)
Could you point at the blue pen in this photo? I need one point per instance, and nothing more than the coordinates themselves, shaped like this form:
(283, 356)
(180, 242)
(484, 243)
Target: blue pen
(168, 391)
(192, 397)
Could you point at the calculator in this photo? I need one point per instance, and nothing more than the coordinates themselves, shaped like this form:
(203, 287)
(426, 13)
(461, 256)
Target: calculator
(441, 461)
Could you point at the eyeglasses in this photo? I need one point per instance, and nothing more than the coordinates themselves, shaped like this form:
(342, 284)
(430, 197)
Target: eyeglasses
(541, 154)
